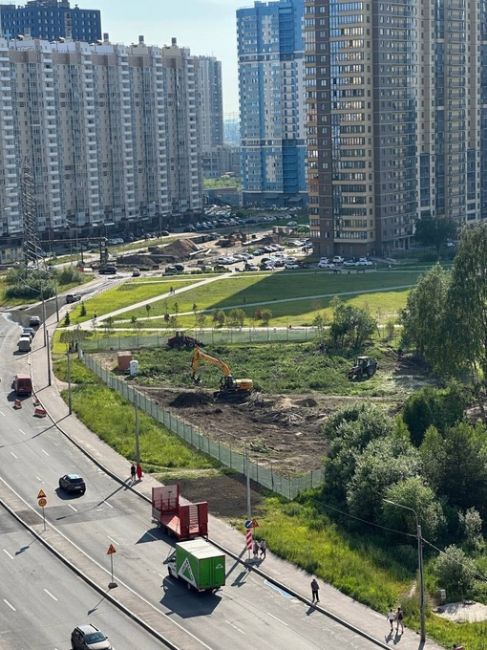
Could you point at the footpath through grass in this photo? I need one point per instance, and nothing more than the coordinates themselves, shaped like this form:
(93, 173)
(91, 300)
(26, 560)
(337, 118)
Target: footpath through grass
(306, 287)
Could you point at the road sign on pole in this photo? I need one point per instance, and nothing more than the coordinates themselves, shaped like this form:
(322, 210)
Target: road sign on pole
(42, 502)
(111, 552)
(42, 494)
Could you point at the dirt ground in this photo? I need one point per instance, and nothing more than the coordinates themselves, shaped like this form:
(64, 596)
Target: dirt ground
(278, 430)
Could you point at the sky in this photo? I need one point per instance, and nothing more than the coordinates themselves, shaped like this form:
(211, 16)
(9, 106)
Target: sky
(207, 27)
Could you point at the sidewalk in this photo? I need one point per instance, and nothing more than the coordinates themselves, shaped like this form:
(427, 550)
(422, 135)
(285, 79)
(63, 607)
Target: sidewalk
(342, 606)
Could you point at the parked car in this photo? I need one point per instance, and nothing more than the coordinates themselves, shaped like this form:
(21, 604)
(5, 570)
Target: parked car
(72, 297)
(338, 259)
(72, 483)
(349, 263)
(34, 321)
(251, 267)
(24, 344)
(179, 267)
(109, 269)
(135, 273)
(170, 270)
(326, 265)
(290, 266)
(89, 637)
(363, 261)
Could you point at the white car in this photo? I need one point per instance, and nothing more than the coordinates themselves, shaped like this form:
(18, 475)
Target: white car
(349, 263)
(363, 261)
(326, 265)
(338, 259)
(290, 266)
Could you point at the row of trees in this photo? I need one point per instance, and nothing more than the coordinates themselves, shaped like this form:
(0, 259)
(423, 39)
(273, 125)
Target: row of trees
(445, 319)
(29, 283)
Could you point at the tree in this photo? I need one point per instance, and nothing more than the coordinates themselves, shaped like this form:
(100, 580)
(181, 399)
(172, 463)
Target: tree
(422, 318)
(147, 309)
(440, 408)
(266, 316)
(434, 231)
(471, 523)
(413, 493)
(82, 310)
(109, 323)
(236, 317)
(384, 461)
(351, 326)
(455, 572)
(319, 322)
(200, 320)
(465, 322)
(219, 318)
(67, 320)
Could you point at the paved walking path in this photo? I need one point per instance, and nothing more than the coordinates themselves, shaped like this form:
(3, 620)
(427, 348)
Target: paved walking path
(362, 617)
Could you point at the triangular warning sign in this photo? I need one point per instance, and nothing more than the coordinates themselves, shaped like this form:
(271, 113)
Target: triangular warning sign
(187, 572)
(42, 494)
(111, 550)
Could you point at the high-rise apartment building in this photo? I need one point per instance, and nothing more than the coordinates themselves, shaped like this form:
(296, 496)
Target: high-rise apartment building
(50, 19)
(395, 94)
(108, 132)
(272, 111)
(210, 101)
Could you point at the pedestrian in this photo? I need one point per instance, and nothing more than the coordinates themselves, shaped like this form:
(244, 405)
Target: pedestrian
(171, 290)
(399, 619)
(139, 472)
(132, 472)
(391, 617)
(256, 549)
(315, 588)
(263, 549)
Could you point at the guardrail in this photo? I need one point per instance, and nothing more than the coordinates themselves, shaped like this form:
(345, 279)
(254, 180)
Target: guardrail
(286, 486)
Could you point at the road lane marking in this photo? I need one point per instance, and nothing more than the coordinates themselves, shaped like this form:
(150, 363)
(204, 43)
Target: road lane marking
(72, 507)
(44, 452)
(39, 478)
(9, 605)
(2, 413)
(277, 619)
(7, 553)
(16, 457)
(22, 432)
(284, 593)
(235, 627)
(54, 597)
(108, 504)
(113, 540)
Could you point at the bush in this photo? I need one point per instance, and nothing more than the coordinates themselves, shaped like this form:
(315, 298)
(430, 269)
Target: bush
(455, 572)
(69, 275)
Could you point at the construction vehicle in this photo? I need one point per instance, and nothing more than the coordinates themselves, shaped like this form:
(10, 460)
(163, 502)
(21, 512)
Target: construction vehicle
(230, 388)
(200, 564)
(181, 340)
(181, 520)
(364, 368)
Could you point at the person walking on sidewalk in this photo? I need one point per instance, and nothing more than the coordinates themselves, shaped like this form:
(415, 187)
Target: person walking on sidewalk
(315, 588)
(139, 472)
(132, 472)
(399, 619)
(255, 549)
(263, 549)
(391, 617)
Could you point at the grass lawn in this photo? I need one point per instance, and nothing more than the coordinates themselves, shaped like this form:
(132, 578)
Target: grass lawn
(15, 302)
(124, 295)
(305, 287)
(274, 368)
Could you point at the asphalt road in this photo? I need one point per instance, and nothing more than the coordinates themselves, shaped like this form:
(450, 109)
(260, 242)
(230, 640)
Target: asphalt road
(247, 612)
(42, 601)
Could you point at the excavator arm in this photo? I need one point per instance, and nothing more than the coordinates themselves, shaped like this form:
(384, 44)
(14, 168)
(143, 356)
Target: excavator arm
(199, 356)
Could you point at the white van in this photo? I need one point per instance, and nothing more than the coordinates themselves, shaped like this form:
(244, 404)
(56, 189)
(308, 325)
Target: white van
(24, 344)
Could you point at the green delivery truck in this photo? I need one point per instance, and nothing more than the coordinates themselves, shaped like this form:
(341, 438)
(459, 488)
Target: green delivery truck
(200, 564)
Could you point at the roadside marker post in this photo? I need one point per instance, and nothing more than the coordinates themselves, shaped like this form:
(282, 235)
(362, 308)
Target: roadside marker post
(249, 536)
(111, 552)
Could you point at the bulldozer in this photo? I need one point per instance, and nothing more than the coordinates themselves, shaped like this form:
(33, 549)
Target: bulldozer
(230, 388)
(364, 368)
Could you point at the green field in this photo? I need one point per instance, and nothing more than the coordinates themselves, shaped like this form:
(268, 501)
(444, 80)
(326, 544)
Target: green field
(15, 302)
(124, 295)
(293, 298)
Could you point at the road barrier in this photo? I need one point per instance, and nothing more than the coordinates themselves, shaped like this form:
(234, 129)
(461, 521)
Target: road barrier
(40, 412)
(287, 486)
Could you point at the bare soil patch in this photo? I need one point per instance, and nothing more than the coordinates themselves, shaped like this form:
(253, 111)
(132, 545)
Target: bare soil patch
(278, 430)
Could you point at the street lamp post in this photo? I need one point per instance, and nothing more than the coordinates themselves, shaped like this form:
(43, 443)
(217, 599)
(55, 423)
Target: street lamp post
(69, 382)
(422, 624)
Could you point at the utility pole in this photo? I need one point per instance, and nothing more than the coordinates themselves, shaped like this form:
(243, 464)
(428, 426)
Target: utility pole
(247, 471)
(70, 409)
(137, 433)
(422, 616)
(48, 359)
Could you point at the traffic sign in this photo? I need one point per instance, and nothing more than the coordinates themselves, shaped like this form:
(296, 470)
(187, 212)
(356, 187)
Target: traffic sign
(42, 494)
(248, 524)
(111, 550)
(255, 523)
(42, 502)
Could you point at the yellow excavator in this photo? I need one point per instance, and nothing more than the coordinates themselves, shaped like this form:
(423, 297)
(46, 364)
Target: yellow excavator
(230, 388)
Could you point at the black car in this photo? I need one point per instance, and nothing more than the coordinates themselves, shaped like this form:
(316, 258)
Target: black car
(72, 483)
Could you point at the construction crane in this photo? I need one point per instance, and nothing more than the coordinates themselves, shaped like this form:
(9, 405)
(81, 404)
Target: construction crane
(230, 388)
